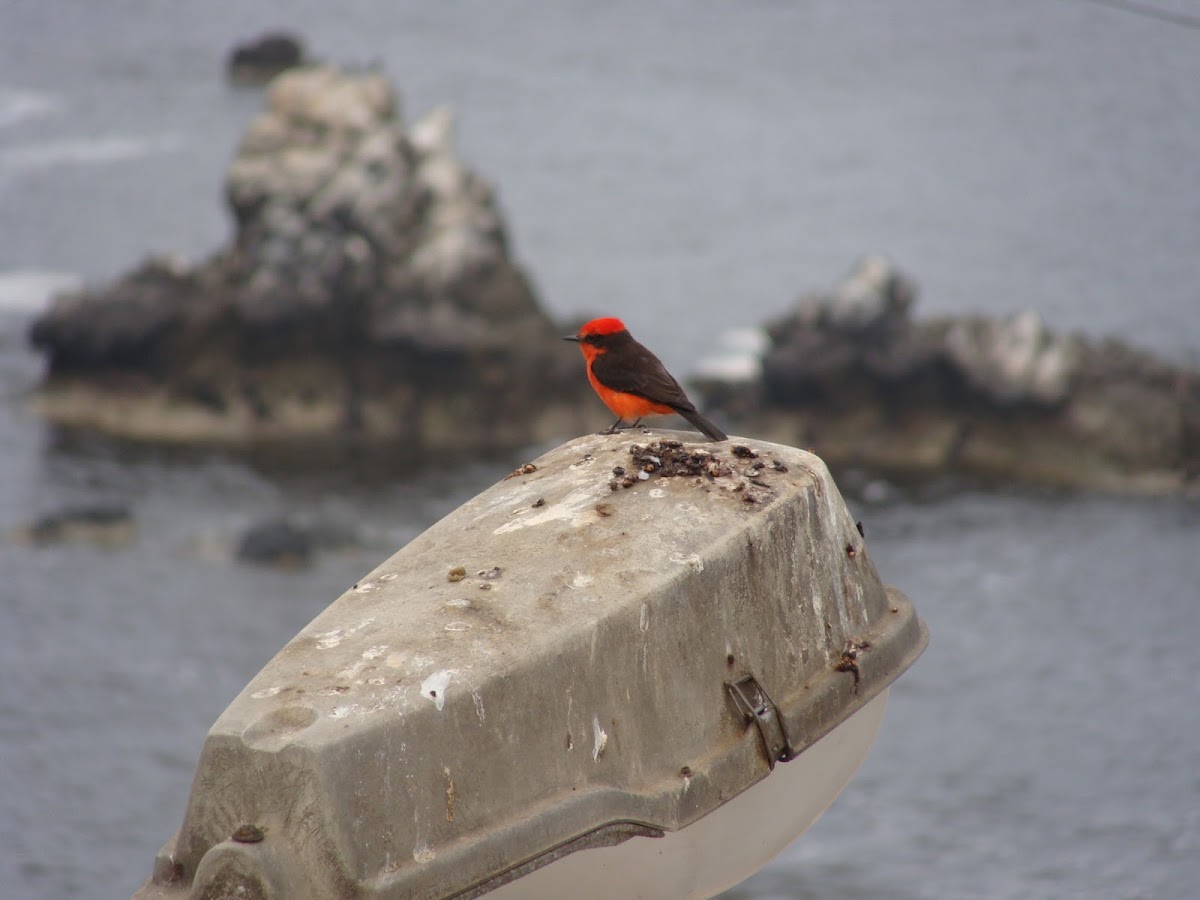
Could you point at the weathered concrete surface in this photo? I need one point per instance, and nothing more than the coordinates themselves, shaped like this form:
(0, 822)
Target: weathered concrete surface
(551, 658)
(852, 375)
(368, 291)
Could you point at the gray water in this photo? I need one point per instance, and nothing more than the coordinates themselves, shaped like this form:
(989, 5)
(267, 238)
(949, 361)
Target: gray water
(691, 168)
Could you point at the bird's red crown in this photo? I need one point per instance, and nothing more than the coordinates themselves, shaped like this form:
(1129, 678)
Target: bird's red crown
(598, 327)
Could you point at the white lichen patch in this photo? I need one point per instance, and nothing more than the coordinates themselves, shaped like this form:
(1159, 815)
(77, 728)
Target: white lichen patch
(582, 580)
(267, 692)
(457, 626)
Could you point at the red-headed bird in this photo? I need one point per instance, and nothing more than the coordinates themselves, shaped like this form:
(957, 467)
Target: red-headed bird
(630, 379)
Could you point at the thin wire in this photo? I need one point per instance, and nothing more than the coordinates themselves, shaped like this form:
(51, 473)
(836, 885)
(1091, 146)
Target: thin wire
(1151, 12)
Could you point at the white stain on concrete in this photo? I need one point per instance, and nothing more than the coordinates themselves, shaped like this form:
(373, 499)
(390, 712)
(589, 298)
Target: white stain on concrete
(478, 706)
(818, 608)
(574, 509)
(330, 639)
(582, 580)
(434, 687)
(599, 739)
(327, 640)
(266, 692)
(423, 853)
(692, 560)
(352, 671)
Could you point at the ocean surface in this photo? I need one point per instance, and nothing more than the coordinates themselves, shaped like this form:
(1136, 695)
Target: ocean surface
(693, 168)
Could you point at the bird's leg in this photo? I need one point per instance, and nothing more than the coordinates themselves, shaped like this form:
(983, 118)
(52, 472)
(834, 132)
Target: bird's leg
(614, 428)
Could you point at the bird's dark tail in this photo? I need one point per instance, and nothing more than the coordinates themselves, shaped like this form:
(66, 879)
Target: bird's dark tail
(702, 424)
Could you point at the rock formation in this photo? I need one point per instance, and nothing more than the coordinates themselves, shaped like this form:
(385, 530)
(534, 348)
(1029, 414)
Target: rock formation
(850, 374)
(368, 291)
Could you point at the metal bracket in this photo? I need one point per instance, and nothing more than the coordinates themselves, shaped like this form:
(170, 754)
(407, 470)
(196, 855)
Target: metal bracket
(760, 709)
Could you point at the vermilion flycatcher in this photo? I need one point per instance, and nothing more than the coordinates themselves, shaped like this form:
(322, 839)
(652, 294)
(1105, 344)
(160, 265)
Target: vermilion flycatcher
(630, 379)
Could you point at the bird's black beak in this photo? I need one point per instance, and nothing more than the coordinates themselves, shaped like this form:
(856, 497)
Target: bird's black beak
(572, 337)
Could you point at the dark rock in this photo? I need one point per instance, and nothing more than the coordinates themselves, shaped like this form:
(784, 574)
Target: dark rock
(260, 60)
(128, 329)
(368, 291)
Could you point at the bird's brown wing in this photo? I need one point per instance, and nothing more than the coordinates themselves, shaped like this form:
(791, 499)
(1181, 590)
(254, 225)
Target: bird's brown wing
(632, 369)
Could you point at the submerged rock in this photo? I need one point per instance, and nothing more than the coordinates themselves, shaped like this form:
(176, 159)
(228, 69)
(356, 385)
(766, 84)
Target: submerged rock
(290, 542)
(368, 291)
(104, 525)
(276, 542)
(850, 374)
